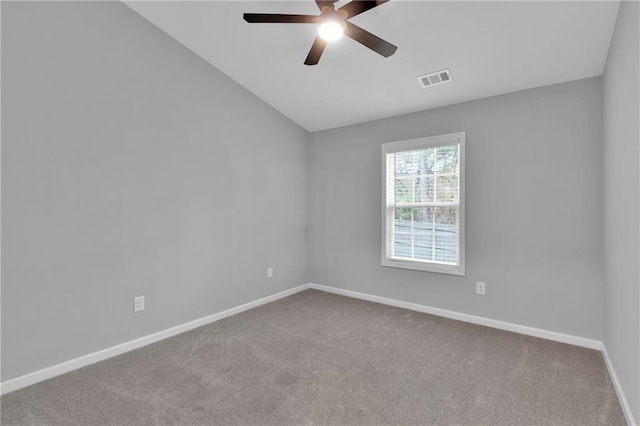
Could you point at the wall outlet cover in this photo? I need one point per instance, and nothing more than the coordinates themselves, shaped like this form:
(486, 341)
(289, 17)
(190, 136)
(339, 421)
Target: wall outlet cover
(138, 304)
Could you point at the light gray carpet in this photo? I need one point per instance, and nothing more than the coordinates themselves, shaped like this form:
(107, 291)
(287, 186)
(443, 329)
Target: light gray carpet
(319, 358)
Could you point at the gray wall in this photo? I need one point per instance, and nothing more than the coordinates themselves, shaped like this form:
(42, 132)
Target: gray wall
(621, 89)
(534, 208)
(132, 167)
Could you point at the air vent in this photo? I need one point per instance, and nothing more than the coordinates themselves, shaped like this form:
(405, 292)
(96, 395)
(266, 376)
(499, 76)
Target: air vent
(435, 78)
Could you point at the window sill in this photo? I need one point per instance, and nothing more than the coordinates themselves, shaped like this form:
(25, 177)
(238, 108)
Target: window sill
(424, 267)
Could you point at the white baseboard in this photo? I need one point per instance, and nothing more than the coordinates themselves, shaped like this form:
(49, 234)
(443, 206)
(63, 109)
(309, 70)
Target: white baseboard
(65, 367)
(516, 328)
(616, 384)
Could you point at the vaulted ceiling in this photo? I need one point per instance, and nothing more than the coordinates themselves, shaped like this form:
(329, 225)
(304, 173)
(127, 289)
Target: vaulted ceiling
(490, 47)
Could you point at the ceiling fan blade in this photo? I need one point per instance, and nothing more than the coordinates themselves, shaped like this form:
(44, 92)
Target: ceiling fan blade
(316, 51)
(358, 6)
(369, 40)
(278, 18)
(322, 4)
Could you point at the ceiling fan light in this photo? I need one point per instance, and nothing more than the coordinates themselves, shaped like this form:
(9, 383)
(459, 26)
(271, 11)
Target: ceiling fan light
(330, 31)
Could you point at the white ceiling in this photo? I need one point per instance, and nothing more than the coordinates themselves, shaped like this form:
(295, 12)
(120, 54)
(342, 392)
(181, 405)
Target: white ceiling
(490, 47)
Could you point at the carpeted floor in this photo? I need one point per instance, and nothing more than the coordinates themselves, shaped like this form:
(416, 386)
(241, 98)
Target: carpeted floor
(319, 358)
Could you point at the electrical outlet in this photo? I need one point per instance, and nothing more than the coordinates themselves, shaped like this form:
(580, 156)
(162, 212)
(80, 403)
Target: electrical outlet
(481, 288)
(138, 304)
(270, 272)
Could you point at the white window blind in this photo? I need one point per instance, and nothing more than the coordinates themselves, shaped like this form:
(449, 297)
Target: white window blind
(423, 218)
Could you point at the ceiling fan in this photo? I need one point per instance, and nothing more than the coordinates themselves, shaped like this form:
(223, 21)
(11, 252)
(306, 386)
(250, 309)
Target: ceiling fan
(332, 24)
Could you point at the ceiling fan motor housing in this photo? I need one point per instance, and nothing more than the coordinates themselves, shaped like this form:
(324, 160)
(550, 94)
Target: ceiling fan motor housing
(331, 15)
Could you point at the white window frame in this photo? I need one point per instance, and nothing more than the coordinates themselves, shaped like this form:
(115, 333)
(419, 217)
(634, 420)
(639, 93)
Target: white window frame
(387, 224)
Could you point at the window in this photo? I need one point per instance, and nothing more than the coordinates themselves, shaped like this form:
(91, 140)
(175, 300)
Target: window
(423, 204)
